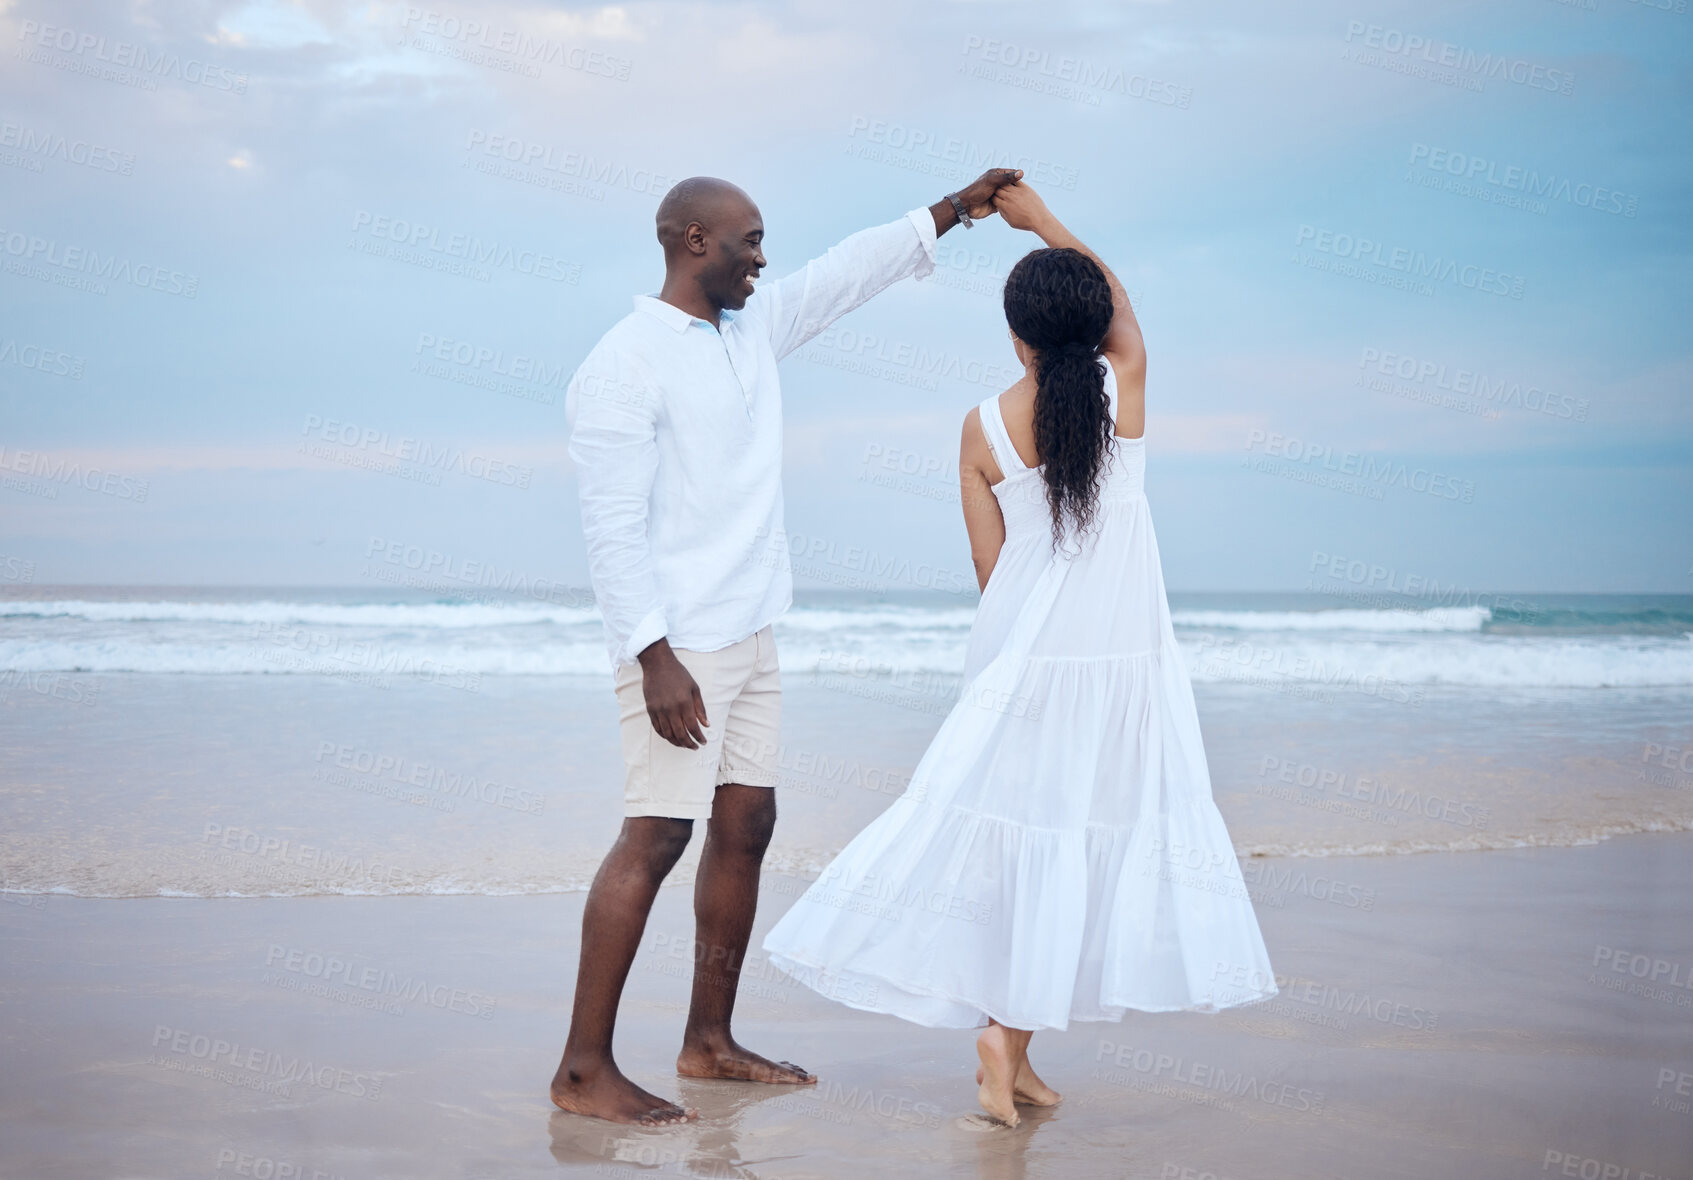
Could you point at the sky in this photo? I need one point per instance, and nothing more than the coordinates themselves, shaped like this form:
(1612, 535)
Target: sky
(290, 292)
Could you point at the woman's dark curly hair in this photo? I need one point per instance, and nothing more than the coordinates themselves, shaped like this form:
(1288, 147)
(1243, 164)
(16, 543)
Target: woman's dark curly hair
(1058, 303)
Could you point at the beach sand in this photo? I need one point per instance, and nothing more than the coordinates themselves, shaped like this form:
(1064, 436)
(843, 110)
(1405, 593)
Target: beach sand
(1469, 1014)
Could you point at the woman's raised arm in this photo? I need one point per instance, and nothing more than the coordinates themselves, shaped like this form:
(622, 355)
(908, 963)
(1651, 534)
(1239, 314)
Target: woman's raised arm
(1023, 208)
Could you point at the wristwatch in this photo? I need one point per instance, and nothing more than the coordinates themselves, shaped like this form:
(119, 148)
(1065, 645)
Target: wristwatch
(963, 213)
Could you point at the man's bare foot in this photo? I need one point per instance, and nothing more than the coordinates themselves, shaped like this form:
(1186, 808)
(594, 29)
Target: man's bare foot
(729, 1060)
(607, 1094)
(1028, 1087)
(994, 1089)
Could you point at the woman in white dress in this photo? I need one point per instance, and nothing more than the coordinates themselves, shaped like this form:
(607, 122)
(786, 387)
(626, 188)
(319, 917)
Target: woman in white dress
(1057, 855)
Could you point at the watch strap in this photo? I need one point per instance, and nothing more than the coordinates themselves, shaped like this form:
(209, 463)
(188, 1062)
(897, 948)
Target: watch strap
(963, 213)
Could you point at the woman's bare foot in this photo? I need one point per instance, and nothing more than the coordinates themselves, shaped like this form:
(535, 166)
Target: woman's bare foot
(605, 1093)
(1028, 1088)
(996, 1080)
(730, 1061)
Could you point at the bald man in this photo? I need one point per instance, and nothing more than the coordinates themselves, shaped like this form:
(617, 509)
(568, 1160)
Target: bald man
(677, 441)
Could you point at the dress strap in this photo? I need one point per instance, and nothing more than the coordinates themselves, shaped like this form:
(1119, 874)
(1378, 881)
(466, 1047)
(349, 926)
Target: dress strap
(999, 442)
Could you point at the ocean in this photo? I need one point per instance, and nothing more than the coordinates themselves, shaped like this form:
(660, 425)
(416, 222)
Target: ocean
(261, 742)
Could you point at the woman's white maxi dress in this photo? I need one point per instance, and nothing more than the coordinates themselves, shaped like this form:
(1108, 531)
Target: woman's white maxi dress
(1057, 855)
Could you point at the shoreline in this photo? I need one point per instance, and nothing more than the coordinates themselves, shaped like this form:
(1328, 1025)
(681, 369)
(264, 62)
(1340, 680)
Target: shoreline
(682, 876)
(299, 785)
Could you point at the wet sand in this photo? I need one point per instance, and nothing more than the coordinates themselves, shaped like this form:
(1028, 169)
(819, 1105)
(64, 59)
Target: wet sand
(1508, 1013)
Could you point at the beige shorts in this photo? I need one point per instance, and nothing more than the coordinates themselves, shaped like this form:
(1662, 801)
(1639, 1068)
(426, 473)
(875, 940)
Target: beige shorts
(742, 690)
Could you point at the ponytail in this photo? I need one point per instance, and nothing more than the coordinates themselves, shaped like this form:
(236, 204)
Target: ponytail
(1058, 303)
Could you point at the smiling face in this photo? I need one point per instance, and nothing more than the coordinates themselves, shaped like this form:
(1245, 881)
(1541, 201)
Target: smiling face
(713, 238)
(734, 253)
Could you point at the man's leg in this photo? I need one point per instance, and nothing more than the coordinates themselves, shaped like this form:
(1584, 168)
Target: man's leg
(725, 901)
(588, 1080)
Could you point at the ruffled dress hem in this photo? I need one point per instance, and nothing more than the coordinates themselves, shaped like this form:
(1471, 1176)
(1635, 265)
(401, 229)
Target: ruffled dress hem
(806, 973)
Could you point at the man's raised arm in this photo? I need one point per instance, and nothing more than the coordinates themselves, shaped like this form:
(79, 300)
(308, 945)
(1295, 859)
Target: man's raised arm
(799, 306)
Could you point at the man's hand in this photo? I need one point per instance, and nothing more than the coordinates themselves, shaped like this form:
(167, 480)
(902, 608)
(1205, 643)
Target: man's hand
(673, 699)
(978, 197)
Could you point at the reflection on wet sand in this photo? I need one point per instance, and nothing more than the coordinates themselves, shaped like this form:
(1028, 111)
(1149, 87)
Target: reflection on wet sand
(708, 1147)
(997, 1151)
(712, 1147)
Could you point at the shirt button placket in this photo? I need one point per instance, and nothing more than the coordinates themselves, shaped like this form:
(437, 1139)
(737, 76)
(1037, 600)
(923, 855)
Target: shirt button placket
(746, 390)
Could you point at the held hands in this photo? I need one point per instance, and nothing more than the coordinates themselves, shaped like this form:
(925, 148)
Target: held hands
(979, 196)
(673, 698)
(1021, 207)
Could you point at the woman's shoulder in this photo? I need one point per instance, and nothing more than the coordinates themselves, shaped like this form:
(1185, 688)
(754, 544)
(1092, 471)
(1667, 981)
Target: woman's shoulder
(1000, 405)
(976, 450)
(1014, 399)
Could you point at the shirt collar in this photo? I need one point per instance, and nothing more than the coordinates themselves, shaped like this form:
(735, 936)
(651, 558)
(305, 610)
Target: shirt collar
(672, 316)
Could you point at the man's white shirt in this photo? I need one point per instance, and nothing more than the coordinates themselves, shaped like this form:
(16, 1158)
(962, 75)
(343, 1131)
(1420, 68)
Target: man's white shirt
(677, 442)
